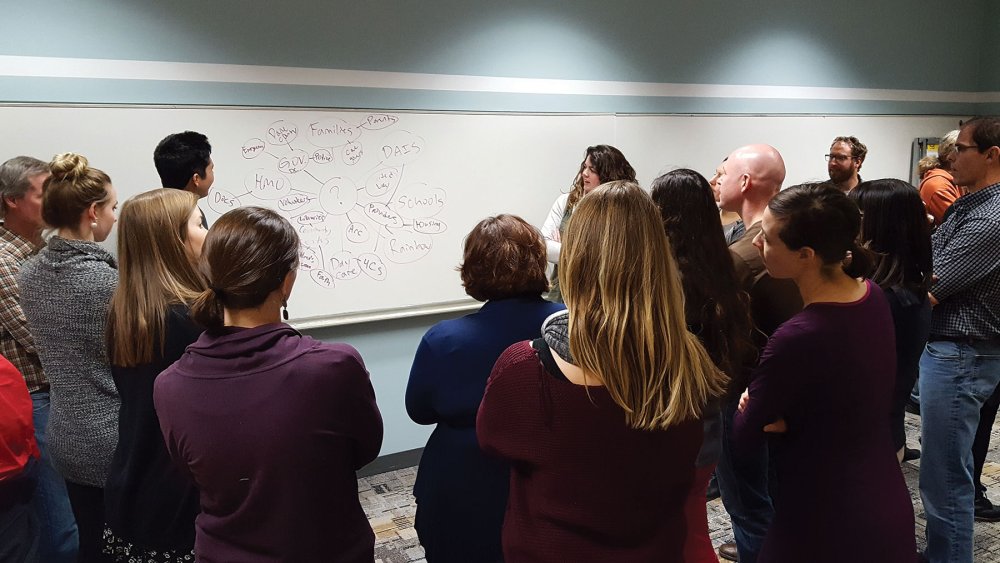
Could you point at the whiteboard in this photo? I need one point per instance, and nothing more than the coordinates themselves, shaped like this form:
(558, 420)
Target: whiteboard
(382, 200)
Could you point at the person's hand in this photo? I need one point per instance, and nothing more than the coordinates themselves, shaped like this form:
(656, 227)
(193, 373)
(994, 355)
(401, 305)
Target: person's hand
(744, 401)
(777, 427)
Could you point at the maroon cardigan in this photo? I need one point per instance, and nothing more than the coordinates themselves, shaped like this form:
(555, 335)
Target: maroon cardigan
(584, 486)
(272, 425)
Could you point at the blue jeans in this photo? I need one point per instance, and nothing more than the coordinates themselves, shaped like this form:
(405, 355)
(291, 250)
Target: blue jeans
(59, 541)
(743, 485)
(956, 378)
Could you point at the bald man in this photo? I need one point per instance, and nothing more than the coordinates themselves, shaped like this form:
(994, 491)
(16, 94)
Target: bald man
(747, 181)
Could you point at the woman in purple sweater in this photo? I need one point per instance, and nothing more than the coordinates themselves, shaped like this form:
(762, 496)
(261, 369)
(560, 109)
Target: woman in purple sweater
(824, 389)
(600, 418)
(271, 424)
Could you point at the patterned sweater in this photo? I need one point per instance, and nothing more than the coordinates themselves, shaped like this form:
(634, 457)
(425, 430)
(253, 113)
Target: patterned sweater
(65, 291)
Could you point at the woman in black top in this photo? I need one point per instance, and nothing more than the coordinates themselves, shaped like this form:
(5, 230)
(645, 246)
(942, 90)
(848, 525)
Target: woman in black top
(894, 224)
(150, 505)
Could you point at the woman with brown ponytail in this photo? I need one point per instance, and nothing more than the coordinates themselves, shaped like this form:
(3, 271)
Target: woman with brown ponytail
(150, 505)
(270, 424)
(65, 290)
(824, 388)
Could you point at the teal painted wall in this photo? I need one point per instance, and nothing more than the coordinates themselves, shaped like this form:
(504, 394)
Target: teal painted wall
(851, 43)
(891, 44)
(990, 63)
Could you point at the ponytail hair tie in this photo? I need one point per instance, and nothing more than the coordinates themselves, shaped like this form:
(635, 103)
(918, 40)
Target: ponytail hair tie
(218, 292)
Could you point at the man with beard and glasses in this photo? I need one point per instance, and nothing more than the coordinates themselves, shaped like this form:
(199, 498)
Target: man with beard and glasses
(844, 161)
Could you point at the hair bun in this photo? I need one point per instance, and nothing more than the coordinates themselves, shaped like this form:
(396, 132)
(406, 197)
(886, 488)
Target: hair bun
(68, 166)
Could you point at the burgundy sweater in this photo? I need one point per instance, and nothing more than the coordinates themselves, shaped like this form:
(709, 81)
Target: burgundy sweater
(272, 426)
(584, 486)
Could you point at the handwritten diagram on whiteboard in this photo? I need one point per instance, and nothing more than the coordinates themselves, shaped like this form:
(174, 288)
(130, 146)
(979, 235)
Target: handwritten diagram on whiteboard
(345, 186)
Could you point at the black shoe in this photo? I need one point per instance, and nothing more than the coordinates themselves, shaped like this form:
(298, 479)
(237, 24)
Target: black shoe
(910, 454)
(985, 511)
(912, 406)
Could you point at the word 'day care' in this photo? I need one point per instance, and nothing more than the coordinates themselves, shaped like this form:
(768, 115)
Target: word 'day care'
(401, 147)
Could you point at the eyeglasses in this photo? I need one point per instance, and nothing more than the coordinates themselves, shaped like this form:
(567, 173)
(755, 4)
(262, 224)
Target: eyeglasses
(837, 157)
(959, 149)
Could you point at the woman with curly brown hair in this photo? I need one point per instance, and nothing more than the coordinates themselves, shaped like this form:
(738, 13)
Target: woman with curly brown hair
(461, 494)
(601, 163)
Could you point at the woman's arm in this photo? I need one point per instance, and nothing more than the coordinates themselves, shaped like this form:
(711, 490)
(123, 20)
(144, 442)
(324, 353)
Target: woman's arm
(420, 387)
(550, 229)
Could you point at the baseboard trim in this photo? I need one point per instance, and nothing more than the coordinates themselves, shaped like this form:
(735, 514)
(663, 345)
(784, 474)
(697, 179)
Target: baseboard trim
(392, 462)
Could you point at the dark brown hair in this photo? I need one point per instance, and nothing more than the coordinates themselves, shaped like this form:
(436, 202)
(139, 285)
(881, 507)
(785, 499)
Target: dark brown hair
(610, 165)
(825, 219)
(504, 257)
(71, 189)
(894, 224)
(246, 256)
(717, 310)
(858, 149)
(985, 131)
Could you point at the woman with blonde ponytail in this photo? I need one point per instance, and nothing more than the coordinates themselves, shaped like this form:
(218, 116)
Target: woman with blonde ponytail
(65, 290)
(150, 505)
(270, 424)
(600, 418)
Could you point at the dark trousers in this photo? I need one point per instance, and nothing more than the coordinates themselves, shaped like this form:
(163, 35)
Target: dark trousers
(743, 482)
(19, 528)
(88, 508)
(981, 443)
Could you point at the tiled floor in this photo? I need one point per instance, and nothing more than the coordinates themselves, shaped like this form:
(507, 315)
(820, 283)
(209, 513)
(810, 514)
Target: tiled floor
(388, 501)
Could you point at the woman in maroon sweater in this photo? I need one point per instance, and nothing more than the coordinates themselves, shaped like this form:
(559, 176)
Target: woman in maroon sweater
(271, 424)
(824, 389)
(599, 419)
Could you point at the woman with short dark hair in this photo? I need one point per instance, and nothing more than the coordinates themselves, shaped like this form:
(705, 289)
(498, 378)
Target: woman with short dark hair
(272, 425)
(824, 386)
(461, 494)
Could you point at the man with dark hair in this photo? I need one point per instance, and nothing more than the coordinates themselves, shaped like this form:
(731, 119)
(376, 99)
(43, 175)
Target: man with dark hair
(844, 161)
(184, 162)
(960, 366)
(22, 180)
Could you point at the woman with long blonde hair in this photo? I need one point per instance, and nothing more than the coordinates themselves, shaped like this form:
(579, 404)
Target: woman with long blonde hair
(150, 505)
(600, 418)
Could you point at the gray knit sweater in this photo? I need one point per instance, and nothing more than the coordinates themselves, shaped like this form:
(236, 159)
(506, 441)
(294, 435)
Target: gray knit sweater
(65, 291)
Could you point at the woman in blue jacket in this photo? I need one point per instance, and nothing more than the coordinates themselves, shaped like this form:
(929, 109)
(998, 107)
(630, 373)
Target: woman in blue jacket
(461, 494)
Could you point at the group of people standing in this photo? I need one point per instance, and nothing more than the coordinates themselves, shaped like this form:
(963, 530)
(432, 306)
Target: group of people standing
(160, 410)
(781, 360)
(135, 434)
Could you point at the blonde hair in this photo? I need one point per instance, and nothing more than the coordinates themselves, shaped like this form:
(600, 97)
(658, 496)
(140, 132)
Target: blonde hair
(626, 310)
(71, 189)
(947, 144)
(155, 270)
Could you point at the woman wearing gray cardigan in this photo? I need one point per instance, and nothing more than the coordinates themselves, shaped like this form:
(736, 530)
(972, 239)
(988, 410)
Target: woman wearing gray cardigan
(65, 291)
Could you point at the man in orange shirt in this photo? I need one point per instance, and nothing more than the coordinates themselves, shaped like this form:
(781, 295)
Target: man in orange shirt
(937, 187)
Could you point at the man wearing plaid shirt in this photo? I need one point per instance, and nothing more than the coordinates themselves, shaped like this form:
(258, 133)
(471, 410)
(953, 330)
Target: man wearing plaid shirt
(960, 366)
(21, 182)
